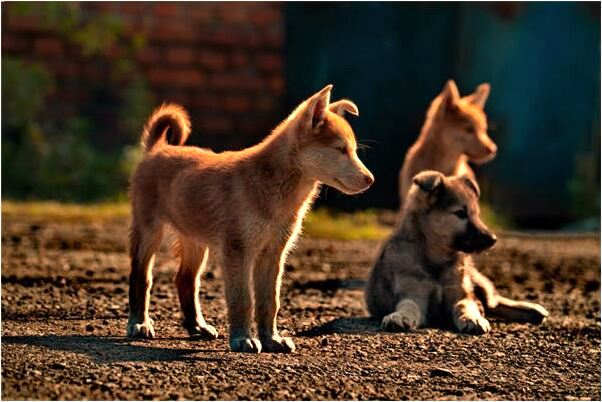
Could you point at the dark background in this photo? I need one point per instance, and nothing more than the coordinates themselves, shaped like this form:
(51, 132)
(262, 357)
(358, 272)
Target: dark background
(78, 80)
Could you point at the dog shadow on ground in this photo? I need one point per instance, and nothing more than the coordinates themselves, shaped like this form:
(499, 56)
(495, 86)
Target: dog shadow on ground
(107, 350)
(341, 325)
(345, 325)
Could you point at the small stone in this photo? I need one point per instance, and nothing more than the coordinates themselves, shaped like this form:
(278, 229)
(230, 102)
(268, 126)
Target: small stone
(324, 341)
(58, 366)
(441, 372)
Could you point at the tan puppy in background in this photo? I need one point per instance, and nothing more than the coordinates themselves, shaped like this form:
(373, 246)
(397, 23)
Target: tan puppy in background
(425, 275)
(454, 133)
(246, 205)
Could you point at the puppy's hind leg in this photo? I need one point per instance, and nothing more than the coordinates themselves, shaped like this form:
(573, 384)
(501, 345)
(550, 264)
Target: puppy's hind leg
(144, 241)
(518, 311)
(504, 308)
(193, 258)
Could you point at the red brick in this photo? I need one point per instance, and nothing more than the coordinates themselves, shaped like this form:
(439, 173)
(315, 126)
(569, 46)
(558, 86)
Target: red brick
(64, 69)
(232, 13)
(186, 77)
(273, 38)
(48, 46)
(23, 23)
(149, 55)
(172, 34)
(265, 104)
(216, 124)
(14, 43)
(251, 39)
(229, 81)
(200, 12)
(166, 9)
(133, 7)
(180, 55)
(255, 128)
(277, 84)
(265, 16)
(270, 62)
(221, 37)
(93, 72)
(237, 104)
(238, 58)
(212, 60)
(206, 102)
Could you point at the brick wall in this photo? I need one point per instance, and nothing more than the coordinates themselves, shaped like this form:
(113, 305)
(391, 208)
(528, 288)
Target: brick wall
(222, 61)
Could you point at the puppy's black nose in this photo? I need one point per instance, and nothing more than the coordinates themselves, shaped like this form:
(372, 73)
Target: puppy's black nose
(489, 239)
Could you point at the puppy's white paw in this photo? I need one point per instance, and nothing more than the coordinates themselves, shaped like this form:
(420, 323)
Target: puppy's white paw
(278, 344)
(400, 321)
(245, 345)
(473, 325)
(142, 330)
(202, 332)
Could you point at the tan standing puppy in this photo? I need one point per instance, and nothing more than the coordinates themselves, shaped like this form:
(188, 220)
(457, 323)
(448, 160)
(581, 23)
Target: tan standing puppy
(246, 205)
(454, 133)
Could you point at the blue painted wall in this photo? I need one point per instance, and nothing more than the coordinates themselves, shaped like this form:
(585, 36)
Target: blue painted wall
(542, 59)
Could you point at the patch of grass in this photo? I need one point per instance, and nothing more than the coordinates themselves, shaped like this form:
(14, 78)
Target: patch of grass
(321, 223)
(327, 224)
(66, 212)
(495, 220)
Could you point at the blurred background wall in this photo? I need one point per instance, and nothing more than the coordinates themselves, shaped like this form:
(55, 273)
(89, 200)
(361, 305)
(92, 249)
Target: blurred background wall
(78, 80)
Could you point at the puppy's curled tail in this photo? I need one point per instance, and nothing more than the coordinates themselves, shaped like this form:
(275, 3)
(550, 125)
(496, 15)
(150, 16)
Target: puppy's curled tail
(168, 124)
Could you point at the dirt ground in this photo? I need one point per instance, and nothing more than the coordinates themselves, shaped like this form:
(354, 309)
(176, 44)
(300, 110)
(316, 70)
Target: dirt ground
(64, 310)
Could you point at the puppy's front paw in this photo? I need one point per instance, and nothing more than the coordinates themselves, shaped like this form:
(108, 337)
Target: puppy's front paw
(400, 321)
(142, 330)
(204, 332)
(245, 345)
(278, 344)
(473, 325)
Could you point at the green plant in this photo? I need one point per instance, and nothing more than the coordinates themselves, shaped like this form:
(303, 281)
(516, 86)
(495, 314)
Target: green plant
(48, 158)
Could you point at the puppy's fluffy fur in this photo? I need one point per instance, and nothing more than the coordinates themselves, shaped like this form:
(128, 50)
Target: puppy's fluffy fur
(246, 205)
(425, 275)
(454, 133)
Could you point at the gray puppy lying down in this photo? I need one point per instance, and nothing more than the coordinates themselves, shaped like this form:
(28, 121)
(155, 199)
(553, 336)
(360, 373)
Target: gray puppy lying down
(425, 275)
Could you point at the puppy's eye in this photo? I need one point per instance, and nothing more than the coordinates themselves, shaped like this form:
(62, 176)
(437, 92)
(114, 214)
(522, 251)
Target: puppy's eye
(342, 149)
(461, 213)
(469, 129)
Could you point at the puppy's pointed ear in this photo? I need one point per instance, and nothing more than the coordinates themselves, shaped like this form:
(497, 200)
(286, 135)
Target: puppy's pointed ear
(472, 185)
(317, 106)
(480, 95)
(428, 181)
(342, 106)
(450, 97)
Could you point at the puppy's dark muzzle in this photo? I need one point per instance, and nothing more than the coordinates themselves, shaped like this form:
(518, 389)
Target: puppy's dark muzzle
(475, 240)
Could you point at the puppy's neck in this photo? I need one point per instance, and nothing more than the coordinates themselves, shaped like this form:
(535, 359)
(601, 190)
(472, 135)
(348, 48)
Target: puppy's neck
(433, 147)
(277, 160)
(437, 255)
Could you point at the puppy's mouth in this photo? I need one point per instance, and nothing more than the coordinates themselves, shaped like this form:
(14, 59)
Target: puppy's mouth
(480, 159)
(348, 190)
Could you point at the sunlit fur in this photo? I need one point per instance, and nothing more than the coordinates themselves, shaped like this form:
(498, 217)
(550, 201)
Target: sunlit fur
(454, 133)
(423, 277)
(247, 206)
